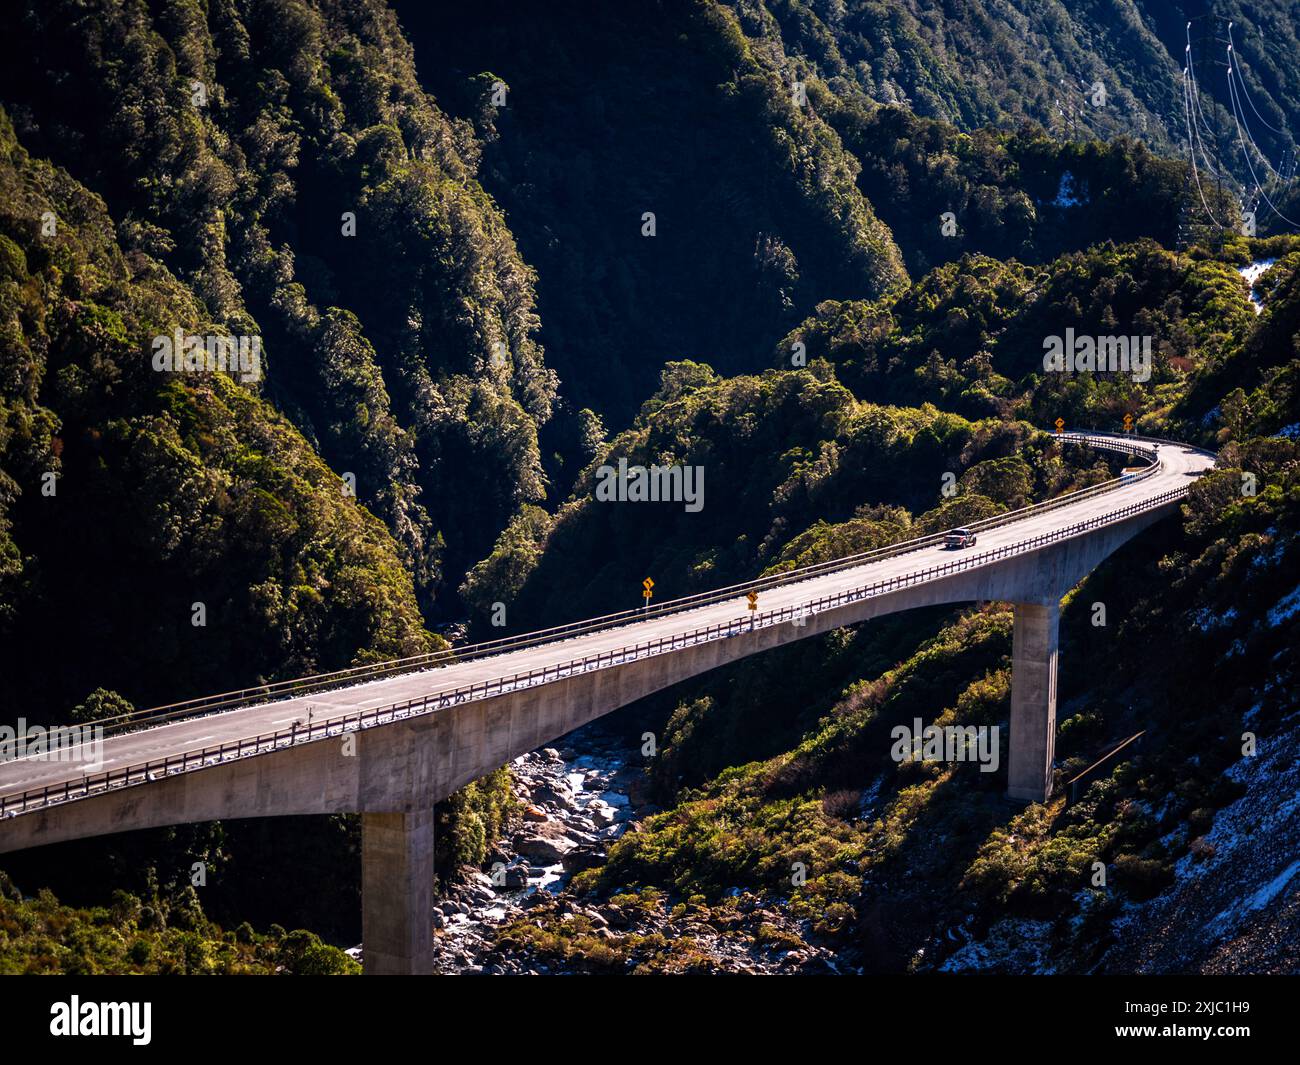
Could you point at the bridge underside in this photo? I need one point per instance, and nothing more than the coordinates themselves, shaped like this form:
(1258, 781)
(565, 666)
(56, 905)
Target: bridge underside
(393, 774)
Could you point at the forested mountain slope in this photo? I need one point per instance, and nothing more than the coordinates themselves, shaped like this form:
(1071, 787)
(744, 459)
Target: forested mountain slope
(240, 149)
(129, 496)
(978, 64)
(166, 534)
(606, 113)
(751, 150)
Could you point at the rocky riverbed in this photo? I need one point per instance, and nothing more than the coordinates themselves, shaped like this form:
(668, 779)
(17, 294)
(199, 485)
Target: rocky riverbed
(575, 800)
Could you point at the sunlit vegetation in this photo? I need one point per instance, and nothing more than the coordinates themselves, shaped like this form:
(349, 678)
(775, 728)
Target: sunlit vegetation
(134, 935)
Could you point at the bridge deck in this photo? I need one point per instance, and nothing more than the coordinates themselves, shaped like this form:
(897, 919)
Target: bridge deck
(1179, 465)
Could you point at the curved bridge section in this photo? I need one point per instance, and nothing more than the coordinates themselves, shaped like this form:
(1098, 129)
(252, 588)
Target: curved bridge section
(389, 741)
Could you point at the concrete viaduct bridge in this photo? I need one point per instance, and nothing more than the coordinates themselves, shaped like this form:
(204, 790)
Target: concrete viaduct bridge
(388, 741)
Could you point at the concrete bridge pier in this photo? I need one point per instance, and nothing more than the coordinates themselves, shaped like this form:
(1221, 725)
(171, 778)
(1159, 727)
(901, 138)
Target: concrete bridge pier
(1034, 648)
(397, 893)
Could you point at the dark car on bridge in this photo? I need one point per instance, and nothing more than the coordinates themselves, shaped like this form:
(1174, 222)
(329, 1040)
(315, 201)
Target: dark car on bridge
(959, 538)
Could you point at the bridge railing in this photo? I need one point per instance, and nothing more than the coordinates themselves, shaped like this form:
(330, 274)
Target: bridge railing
(203, 757)
(449, 656)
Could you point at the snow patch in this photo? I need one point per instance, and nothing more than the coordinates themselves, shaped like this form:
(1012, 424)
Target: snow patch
(1252, 273)
(1016, 945)
(1287, 607)
(1207, 620)
(1257, 900)
(1066, 194)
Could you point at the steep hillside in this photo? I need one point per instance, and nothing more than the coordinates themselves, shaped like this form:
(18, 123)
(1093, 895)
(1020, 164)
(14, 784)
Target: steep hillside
(282, 160)
(974, 64)
(607, 112)
(131, 497)
(170, 532)
(1025, 195)
(972, 335)
(746, 134)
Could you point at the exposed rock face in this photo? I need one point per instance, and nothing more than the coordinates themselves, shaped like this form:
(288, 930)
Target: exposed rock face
(1234, 905)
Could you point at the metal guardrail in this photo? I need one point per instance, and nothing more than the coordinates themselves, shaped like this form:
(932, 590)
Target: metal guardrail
(147, 772)
(1082, 777)
(452, 656)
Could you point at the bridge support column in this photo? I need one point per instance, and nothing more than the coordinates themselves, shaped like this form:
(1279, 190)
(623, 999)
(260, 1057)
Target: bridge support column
(397, 893)
(1034, 647)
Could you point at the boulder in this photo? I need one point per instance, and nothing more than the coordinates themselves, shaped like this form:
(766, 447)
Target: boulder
(547, 829)
(614, 916)
(544, 849)
(554, 794)
(583, 857)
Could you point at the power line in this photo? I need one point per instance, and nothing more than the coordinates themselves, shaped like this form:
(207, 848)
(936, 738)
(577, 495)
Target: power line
(1243, 85)
(1203, 127)
(1232, 92)
(1191, 152)
(1239, 115)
